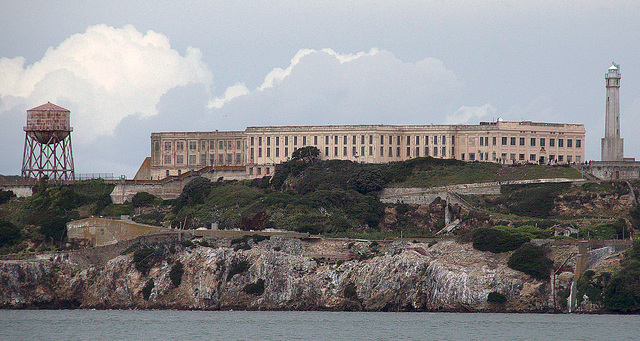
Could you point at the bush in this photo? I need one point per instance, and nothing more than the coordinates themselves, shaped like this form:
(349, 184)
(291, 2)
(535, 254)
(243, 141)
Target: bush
(496, 297)
(255, 288)
(532, 260)
(142, 199)
(6, 196)
(176, 273)
(9, 233)
(146, 291)
(239, 268)
(622, 291)
(142, 259)
(496, 240)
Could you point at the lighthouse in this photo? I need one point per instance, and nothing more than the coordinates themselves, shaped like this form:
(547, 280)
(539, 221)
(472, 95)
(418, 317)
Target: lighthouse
(612, 143)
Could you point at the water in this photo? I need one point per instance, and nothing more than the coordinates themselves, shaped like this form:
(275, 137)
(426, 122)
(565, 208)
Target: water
(244, 325)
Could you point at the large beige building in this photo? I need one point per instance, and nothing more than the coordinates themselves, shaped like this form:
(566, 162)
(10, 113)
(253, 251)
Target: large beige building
(257, 150)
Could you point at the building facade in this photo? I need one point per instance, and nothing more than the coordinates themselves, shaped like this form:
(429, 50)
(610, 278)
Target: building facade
(259, 149)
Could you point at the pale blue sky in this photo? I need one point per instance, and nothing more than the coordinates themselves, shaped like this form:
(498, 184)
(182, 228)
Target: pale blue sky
(128, 68)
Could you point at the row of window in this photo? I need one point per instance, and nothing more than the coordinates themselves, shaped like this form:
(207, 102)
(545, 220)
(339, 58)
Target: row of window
(193, 145)
(267, 140)
(222, 159)
(484, 141)
(258, 170)
(521, 157)
(354, 152)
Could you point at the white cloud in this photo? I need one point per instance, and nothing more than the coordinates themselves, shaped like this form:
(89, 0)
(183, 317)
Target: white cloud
(470, 115)
(232, 92)
(102, 76)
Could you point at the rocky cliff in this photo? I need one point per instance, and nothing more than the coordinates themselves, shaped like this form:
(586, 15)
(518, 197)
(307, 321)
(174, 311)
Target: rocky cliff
(401, 276)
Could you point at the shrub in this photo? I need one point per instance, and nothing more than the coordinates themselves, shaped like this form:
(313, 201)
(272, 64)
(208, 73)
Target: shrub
(496, 240)
(239, 268)
(9, 233)
(142, 199)
(496, 297)
(255, 288)
(176, 273)
(6, 196)
(142, 259)
(532, 260)
(621, 293)
(350, 291)
(146, 291)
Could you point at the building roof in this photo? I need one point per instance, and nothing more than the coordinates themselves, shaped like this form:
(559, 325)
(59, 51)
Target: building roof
(613, 66)
(48, 107)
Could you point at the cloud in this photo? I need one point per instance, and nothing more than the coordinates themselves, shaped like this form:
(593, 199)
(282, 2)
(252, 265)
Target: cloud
(102, 76)
(327, 87)
(470, 115)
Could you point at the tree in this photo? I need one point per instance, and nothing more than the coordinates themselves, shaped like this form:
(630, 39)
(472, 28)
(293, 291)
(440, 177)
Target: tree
(308, 153)
(9, 233)
(532, 260)
(142, 199)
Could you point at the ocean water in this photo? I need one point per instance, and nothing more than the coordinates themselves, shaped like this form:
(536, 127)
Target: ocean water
(308, 325)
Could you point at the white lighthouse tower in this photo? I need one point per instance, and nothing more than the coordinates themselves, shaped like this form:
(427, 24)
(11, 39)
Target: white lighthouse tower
(612, 143)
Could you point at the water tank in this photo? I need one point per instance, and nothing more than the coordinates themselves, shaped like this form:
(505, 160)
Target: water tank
(48, 123)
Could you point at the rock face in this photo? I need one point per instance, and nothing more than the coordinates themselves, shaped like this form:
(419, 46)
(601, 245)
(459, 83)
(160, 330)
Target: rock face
(404, 276)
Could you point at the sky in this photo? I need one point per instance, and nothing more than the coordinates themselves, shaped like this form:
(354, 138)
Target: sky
(126, 69)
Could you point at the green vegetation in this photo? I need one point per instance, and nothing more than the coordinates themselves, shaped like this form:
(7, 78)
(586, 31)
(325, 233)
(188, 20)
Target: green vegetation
(497, 240)
(350, 291)
(146, 290)
(614, 230)
(256, 288)
(176, 273)
(531, 200)
(532, 260)
(5, 196)
(238, 268)
(591, 285)
(143, 199)
(622, 291)
(496, 297)
(143, 259)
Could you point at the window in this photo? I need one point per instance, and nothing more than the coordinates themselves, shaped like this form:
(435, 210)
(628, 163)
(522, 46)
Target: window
(353, 140)
(552, 142)
(326, 151)
(193, 145)
(495, 140)
(542, 142)
(522, 141)
(426, 151)
(381, 139)
(167, 146)
(344, 139)
(435, 140)
(250, 170)
(512, 157)
(370, 139)
(532, 157)
(167, 173)
(179, 159)
(221, 145)
(252, 154)
(259, 152)
(304, 140)
(286, 151)
(212, 158)
(390, 151)
(552, 157)
(326, 139)
(493, 156)
(286, 141)
(417, 151)
(462, 157)
(353, 151)
(268, 140)
(167, 159)
(267, 170)
(481, 141)
(229, 158)
(315, 140)
(229, 144)
(203, 159)
(408, 139)
(444, 152)
(268, 152)
(578, 159)
(560, 143)
(259, 140)
(398, 140)
(504, 141)
(472, 156)
(560, 157)
(277, 140)
(212, 145)
(295, 140)
(513, 141)
(370, 150)
(408, 151)
(179, 145)
(344, 151)
(221, 159)
(568, 156)
(444, 139)
(397, 151)
(578, 145)
(381, 151)
(238, 158)
(533, 142)
(453, 140)
(203, 144)
(390, 140)
(503, 156)
(481, 157)
(252, 140)
(435, 151)
(362, 151)
(569, 145)
(239, 144)
(521, 157)
(426, 140)
(259, 170)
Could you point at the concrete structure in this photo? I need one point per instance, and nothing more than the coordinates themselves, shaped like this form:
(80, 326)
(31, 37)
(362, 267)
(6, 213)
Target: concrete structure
(613, 165)
(47, 145)
(259, 149)
(612, 146)
(102, 231)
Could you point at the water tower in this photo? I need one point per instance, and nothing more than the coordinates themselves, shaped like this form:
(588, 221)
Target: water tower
(47, 145)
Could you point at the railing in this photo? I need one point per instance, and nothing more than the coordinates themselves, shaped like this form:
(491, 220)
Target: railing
(90, 176)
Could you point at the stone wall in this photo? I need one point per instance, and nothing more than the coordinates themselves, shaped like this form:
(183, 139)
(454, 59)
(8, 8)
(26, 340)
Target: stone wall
(612, 170)
(103, 231)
